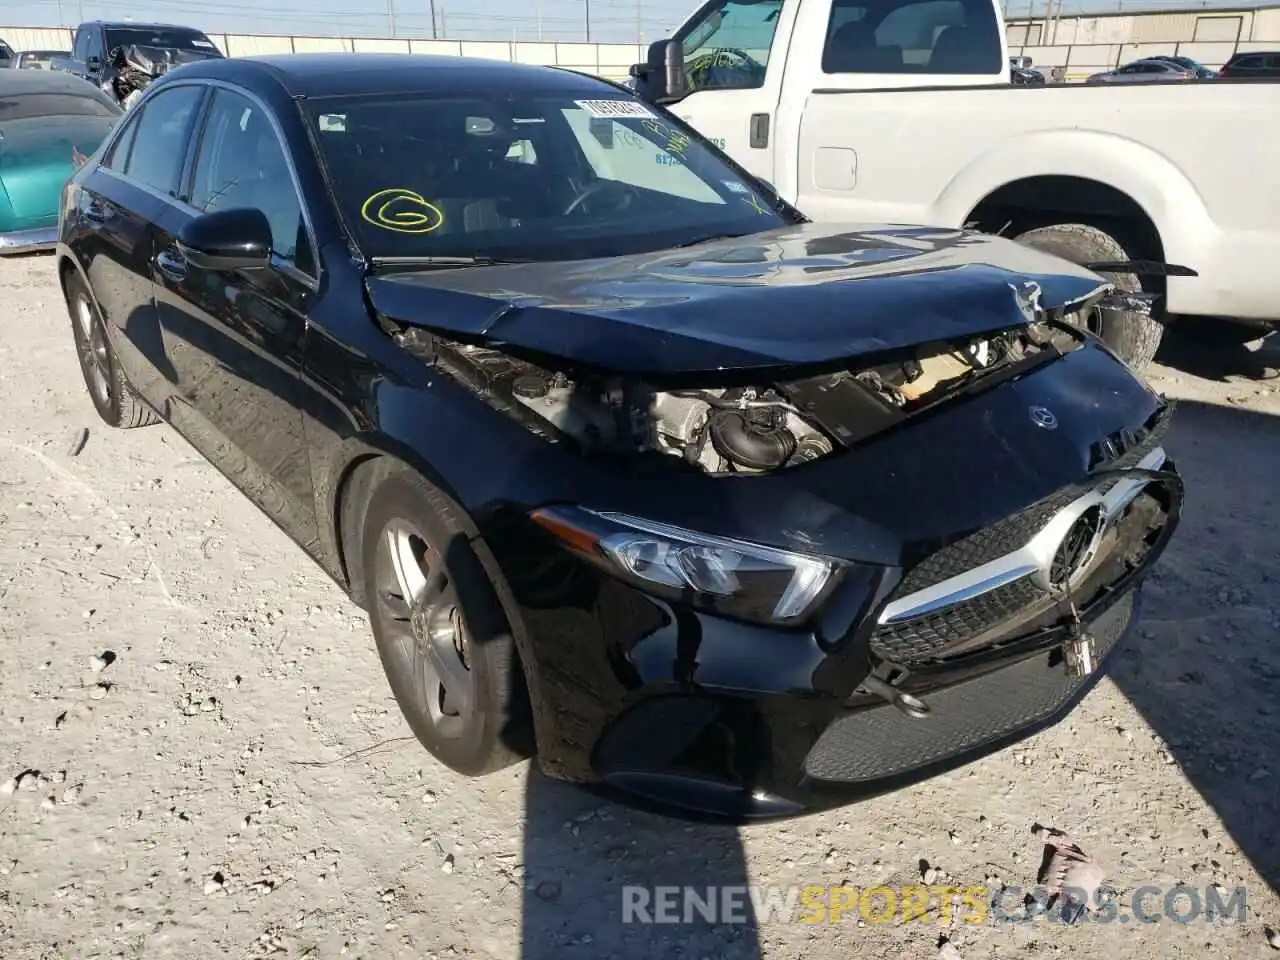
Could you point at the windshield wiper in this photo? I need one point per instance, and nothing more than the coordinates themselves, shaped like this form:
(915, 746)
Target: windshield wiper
(443, 262)
(708, 239)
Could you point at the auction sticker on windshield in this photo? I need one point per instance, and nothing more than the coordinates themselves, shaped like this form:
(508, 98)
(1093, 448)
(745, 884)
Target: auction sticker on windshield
(619, 109)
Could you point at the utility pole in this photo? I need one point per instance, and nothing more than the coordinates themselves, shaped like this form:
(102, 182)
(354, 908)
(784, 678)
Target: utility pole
(587, 6)
(433, 20)
(391, 16)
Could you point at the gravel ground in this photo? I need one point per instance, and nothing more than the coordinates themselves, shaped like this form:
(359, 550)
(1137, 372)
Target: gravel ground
(193, 693)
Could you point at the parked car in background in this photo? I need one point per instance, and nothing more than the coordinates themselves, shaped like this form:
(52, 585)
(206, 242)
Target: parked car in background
(633, 466)
(1251, 66)
(39, 59)
(1145, 71)
(6, 55)
(48, 120)
(1025, 76)
(1199, 69)
(123, 58)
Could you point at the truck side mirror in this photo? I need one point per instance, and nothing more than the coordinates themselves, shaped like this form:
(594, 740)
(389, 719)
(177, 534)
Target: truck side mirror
(93, 63)
(661, 78)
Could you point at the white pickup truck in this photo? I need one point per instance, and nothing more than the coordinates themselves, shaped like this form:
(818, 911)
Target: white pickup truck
(901, 111)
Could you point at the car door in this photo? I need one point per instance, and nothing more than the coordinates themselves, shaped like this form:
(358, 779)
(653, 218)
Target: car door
(95, 54)
(115, 216)
(734, 92)
(236, 337)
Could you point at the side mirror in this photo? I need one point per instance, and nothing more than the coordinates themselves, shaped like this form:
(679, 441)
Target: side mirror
(93, 63)
(769, 187)
(238, 239)
(661, 78)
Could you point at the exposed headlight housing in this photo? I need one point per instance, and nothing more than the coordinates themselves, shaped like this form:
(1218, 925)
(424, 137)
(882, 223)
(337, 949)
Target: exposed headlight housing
(732, 577)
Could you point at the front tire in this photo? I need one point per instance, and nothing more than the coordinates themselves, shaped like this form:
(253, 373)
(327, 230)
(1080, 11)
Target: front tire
(441, 633)
(114, 399)
(1132, 335)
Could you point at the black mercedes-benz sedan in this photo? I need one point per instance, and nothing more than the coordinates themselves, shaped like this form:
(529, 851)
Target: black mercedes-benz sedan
(632, 466)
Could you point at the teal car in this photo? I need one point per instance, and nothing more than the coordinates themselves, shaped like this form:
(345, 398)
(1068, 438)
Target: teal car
(49, 121)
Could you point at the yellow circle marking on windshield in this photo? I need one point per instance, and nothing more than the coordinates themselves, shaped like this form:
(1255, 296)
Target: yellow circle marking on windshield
(401, 210)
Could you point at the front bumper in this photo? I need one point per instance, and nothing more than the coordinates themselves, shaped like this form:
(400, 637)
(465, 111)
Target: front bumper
(28, 241)
(688, 710)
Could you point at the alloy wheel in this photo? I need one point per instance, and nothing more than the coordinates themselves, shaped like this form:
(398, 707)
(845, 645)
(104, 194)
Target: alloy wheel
(428, 634)
(94, 353)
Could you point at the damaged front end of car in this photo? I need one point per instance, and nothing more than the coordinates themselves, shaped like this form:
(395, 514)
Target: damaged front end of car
(768, 417)
(860, 544)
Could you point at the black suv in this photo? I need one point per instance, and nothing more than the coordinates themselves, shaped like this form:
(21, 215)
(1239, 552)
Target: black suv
(124, 57)
(1251, 66)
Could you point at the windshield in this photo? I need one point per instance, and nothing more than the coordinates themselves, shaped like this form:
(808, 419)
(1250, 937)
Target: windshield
(28, 105)
(164, 37)
(528, 176)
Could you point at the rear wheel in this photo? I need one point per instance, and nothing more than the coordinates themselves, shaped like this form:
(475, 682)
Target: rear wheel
(1132, 335)
(114, 399)
(442, 635)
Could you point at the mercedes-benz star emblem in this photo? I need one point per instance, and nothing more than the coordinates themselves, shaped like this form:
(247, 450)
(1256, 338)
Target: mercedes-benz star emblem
(1043, 417)
(1077, 549)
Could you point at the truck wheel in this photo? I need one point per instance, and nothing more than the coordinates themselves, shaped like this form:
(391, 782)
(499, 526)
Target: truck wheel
(1133, 336)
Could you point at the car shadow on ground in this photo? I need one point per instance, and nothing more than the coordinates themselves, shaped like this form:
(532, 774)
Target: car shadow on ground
(586, 859)
(1204, 665)
(1218, 361)
(1201, 670)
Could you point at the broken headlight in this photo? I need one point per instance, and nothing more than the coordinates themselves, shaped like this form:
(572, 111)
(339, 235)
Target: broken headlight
(731, 577)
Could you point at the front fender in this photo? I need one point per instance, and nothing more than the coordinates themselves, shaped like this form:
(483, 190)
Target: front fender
(1146, 176)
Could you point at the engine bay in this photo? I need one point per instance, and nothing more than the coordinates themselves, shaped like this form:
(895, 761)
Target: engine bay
(750, 429)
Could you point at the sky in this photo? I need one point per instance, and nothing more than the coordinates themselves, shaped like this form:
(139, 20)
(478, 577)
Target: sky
(611, 21)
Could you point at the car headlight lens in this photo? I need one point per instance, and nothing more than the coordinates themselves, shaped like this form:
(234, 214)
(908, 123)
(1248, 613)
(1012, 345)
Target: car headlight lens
(733, 577)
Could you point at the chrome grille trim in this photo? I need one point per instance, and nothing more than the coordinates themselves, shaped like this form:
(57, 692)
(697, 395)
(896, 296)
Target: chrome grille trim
(1033, 559)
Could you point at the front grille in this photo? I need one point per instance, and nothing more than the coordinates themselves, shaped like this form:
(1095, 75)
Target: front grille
(1015, 530)
(922, 638)
(931, 635)
(880, 742)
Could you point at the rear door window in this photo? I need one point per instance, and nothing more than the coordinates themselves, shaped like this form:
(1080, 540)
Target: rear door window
(931, 37)
(163, 133)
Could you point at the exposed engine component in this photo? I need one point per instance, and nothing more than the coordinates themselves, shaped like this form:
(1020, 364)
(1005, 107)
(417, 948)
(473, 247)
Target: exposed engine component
(134, 67)
(736, 429)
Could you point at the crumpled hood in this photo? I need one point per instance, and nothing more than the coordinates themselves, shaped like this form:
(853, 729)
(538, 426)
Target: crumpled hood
(807, 294)
(159, 60)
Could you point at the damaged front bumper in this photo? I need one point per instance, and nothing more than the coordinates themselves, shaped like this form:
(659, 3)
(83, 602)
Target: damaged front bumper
(686, 706)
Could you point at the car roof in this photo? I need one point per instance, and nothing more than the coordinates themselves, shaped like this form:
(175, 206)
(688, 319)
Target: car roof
(18, 82)
(355, 74)
(140, 25)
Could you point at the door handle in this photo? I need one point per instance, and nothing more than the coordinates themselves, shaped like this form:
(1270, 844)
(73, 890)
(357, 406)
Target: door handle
(759, 136)
(172, 264)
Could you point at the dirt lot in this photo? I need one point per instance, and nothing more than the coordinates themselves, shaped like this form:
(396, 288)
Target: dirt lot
(198, 795)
